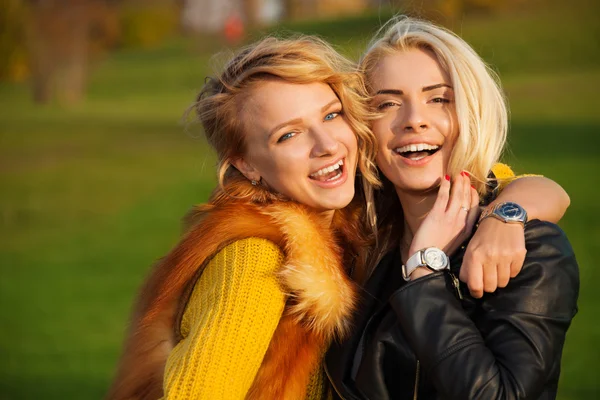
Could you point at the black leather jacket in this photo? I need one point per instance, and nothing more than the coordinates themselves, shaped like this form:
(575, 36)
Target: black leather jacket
(421, 340)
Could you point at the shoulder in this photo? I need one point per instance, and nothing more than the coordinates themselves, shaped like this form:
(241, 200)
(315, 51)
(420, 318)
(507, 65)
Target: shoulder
(260, 254)
(502, 171)
(547, 238)
(549, 280)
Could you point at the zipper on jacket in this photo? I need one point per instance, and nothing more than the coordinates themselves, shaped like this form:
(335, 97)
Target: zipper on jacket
(456, 284)
(416, 391)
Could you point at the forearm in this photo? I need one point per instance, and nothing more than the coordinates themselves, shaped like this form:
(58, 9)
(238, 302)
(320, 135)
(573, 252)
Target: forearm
(541, 197)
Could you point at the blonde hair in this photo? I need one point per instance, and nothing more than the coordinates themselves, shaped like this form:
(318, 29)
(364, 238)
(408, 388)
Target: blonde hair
(480, 107)
(480, 103)
(299, 60)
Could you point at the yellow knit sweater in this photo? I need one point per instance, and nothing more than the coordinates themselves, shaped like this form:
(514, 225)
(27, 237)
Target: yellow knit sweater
(227, 325)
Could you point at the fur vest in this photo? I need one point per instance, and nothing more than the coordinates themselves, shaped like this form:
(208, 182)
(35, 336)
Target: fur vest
(321, 297)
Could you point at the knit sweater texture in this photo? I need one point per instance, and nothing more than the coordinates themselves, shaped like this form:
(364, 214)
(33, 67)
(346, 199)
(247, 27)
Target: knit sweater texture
(228, 324)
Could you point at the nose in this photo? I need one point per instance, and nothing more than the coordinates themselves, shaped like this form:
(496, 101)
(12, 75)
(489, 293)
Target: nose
(325, 142)
(413, 119)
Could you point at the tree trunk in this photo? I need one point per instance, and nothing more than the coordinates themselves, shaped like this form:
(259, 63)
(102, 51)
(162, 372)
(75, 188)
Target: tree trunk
(58, 43)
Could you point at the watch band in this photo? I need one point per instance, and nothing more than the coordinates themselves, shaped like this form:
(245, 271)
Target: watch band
(415, 261)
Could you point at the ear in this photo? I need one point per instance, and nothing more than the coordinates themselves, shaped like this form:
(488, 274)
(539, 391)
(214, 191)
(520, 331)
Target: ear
(246, 169)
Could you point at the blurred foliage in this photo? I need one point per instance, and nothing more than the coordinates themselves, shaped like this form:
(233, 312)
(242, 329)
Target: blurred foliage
(14, 62)
(146, 25)
(123, 24)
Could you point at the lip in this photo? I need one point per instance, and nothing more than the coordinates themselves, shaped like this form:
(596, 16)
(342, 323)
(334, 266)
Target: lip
(336, 182)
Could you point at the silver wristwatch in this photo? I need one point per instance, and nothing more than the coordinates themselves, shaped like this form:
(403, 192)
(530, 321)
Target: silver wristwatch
(431, 257)
(508, 212)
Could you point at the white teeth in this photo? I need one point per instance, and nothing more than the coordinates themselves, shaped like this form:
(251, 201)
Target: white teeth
(329, 169)
(416, 147)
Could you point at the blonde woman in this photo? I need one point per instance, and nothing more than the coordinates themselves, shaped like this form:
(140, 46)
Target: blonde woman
(419, 333)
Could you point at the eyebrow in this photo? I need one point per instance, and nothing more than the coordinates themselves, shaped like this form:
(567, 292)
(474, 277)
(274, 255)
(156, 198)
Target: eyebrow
(433, 87)
(398, 92)
(332, 102)
(390, 91)
(299, 120)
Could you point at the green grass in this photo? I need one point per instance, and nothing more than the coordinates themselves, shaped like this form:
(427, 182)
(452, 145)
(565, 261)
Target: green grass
(92, 195)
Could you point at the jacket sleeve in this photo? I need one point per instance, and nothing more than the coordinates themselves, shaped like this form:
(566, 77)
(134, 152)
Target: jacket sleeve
(512, 346)
(228, 324)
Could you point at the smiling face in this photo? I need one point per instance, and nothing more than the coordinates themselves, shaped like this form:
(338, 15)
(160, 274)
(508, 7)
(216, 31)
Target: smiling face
(299, 143)
(419, 126)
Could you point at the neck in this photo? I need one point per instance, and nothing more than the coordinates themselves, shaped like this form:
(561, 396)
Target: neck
(416, 206)
(328, 216)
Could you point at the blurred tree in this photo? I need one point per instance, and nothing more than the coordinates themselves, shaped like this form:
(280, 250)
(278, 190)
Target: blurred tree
(13, 55)
(146, 23)
(60, 36)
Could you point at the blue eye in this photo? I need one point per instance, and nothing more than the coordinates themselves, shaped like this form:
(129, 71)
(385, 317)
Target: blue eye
(286, 136)
(332, 115)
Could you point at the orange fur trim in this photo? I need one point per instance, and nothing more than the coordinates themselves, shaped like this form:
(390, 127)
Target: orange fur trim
(321, 296)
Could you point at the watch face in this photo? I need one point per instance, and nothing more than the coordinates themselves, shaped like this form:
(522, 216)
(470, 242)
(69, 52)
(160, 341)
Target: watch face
(511, 212)
(435, 258)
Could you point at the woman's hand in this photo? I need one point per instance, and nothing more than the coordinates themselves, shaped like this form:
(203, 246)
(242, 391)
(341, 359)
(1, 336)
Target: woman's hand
(494, 255)
(451, 219)
(497, 250)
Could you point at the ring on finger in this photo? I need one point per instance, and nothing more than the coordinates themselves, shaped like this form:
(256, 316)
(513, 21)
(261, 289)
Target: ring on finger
(464, 208)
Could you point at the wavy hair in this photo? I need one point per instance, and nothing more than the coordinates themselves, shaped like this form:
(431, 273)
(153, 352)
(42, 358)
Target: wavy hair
(299, 60)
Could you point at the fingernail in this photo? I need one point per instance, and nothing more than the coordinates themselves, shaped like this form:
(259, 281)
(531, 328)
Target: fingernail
(447, 177)
(473, 187)
(465, 173)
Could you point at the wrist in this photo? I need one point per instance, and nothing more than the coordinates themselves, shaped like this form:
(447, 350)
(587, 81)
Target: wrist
(508, 212)
(420, 272)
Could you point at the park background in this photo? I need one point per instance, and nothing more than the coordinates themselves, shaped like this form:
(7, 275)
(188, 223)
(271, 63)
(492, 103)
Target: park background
(96, 167)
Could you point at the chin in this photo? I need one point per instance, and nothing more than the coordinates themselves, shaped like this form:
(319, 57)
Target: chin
(417, 183)
(337, 201)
